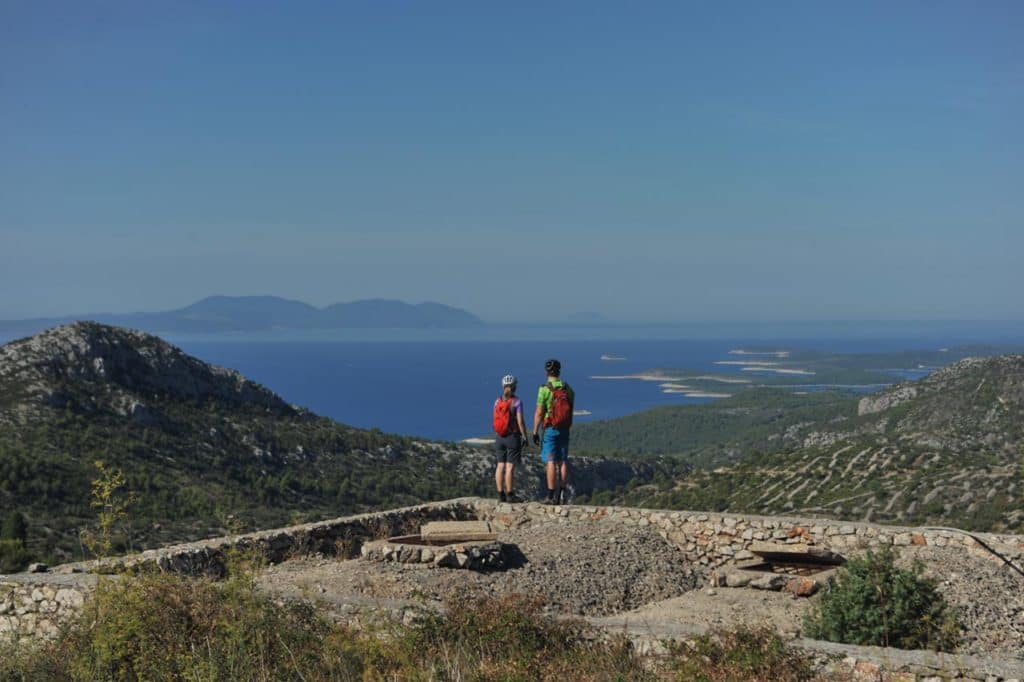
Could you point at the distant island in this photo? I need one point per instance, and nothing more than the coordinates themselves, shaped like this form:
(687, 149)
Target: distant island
(265, 313)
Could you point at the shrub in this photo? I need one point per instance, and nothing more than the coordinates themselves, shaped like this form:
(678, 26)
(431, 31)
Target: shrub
(739, 655)
(873, 602)
(172, 628)
(160, 626)
(13, 556)
(165, 627)
(508, 637)
(15, 528)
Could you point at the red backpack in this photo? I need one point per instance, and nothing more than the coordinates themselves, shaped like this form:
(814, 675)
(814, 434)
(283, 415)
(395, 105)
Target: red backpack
(503, 416)
(560, 414)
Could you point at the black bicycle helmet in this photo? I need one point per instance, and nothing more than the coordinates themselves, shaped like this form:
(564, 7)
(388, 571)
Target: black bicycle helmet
(553, 367)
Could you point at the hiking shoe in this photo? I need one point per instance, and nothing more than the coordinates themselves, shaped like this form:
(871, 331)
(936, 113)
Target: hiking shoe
(549, 500)
(513, 498)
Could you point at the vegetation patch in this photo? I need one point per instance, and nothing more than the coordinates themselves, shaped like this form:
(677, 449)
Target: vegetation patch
(875, 603)
(746, 653)
(163, 626)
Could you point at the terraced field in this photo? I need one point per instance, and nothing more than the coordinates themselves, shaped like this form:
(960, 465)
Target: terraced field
(883, 482)
(946, 450)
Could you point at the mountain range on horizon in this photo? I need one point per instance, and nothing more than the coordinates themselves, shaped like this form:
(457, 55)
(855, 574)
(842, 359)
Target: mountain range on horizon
(264, 313)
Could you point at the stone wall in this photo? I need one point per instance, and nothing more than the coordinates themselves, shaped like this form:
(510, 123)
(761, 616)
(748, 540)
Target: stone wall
(341, 537)
(716, 540)
(36, 605)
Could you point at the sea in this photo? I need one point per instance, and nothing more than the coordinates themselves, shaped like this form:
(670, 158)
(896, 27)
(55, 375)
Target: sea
(442, 385)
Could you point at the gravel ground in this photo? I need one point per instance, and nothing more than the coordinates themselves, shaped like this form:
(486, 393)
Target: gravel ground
(989, 595)
(593, 574)
(724, 608)
(602, 570)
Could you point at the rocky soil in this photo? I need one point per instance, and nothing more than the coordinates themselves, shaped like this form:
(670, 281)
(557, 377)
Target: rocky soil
(988, 594)
(576, 573)
(600, 570)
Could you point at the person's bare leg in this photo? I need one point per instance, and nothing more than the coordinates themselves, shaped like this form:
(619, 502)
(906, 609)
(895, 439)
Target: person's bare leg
(564, 476)
(509, 469)
(499, 476)
(552, 482)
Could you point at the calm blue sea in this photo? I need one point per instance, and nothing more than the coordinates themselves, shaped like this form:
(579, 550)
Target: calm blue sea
(445, 389)
(439, 385)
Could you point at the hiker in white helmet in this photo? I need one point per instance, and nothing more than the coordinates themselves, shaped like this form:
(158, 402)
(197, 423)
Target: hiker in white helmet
(510, 432)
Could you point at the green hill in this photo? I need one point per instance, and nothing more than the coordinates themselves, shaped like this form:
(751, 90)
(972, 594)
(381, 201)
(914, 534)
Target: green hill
(947, 449)
(198, 443)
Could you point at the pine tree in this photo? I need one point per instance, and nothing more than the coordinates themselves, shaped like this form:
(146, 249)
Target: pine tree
(15, 528)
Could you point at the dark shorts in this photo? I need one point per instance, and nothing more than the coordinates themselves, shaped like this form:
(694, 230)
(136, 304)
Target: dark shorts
(509, 448)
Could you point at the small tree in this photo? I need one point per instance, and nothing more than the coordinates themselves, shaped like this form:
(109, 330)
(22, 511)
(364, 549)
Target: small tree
(873, 602)
(14, 554)
(110, 497)
(15, 528)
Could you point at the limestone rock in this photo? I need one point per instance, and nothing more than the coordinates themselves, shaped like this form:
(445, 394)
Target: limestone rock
(873, 404)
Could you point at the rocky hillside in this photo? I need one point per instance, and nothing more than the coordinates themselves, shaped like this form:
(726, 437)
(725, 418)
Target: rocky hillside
(91, 368)
(947, 449)
(199, 443)
(976, 403)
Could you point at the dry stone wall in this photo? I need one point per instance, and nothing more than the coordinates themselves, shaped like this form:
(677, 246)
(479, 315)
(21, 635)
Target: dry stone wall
(36, 605)
(342, 537)
(717, 540)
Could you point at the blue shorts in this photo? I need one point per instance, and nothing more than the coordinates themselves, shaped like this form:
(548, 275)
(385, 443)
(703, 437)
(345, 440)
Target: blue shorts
(555, 446)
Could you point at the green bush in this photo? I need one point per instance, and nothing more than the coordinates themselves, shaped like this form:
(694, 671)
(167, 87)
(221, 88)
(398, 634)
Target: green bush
(507, 638)
(15, 528)
(165, 627)
(13, 556)
(745, 653)
(874, 602)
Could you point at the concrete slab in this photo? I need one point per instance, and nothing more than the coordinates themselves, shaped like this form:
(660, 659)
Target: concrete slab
(456, 531)
(795, 552)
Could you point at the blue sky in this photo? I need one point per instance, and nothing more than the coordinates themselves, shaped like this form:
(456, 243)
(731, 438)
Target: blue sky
(651, 161)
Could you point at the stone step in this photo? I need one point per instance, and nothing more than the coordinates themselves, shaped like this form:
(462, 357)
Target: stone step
(457, 531)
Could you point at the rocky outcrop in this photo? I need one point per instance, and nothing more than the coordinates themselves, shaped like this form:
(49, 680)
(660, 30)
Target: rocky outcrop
(883, 401)
(122, 369)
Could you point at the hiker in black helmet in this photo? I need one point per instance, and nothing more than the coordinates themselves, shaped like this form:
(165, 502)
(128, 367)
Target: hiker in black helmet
(510, 432)
(555, 401)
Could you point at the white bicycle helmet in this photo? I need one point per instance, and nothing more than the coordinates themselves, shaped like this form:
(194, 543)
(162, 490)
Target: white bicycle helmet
(508, 380)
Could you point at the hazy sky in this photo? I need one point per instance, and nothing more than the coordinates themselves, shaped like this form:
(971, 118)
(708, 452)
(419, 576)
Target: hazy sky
(684, 161)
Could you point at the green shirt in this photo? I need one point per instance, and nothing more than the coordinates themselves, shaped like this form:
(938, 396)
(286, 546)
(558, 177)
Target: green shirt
(544, 396)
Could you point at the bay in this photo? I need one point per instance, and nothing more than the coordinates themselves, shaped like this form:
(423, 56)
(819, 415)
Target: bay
(444, 389)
